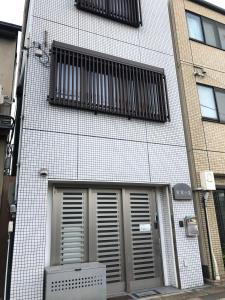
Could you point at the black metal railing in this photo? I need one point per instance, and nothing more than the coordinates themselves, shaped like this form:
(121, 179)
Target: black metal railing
(124, 11)
(89, 80)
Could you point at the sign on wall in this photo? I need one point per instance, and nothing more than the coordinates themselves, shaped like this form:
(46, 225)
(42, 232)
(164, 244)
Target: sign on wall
(182, 191)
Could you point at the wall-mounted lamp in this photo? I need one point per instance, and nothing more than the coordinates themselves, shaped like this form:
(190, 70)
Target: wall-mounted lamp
(43, 172)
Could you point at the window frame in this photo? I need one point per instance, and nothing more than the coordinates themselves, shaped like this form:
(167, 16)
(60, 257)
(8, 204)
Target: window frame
(216, 25)
(219, 188)
(154, 111)
(216, 105)
(109, 15)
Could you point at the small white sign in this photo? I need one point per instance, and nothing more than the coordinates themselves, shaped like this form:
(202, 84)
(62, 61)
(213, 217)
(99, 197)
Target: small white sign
(145, 227)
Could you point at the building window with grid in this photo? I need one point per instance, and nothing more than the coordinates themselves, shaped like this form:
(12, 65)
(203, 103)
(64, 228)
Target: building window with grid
(89, 80)
(124, 11)
(206, 31)
(212, 102)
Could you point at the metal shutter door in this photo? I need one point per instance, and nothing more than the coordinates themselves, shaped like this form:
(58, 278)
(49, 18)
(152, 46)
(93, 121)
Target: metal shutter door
(107, 236)
(140, 249)
(69, 243)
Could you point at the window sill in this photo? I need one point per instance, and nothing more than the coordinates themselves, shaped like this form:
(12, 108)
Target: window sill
(212, 120)
(200, 42)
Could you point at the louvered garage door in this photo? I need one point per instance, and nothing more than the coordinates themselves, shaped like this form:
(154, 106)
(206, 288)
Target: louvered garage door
(142, 240)
(108, 245)
(69, 227)
(114, 227)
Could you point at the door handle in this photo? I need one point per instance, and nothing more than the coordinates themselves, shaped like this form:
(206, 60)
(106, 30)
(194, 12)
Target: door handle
(156, 222)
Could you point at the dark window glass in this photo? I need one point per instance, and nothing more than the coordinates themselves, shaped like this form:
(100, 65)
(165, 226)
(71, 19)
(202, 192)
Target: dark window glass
(195, 27)
(207, 102)
(210, 30)
(86, 81)
(221, 29)
(124, 11)
(220, 98)
(212, 101)
(205, 30)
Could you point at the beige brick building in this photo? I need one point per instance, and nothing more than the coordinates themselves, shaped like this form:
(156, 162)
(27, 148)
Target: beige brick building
(199, 42)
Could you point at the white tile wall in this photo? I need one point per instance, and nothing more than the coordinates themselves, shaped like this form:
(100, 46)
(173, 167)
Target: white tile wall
(80, 146)
(169, 244)
(112, 160)
(155, 34)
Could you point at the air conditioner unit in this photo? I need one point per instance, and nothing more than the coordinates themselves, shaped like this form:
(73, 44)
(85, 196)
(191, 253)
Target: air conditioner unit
(86, 281)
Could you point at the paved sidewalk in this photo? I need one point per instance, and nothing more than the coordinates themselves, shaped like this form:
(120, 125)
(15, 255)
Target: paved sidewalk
(206, 293)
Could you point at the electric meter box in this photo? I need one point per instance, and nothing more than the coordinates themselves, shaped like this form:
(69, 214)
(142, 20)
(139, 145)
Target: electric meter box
(191, 226)
(207, 181)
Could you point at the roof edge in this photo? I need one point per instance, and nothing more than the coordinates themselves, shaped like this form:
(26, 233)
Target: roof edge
(10, 27)
(209, 6)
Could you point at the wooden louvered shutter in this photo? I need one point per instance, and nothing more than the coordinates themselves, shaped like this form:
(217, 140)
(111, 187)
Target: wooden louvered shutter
(142, 263)
(69, 238)
(106, 236)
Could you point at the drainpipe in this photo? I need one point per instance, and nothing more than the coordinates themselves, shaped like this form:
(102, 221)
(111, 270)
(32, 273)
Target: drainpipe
(215, 269)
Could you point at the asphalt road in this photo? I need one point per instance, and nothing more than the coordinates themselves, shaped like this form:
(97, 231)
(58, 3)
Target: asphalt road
(219, 296)
(216, 296)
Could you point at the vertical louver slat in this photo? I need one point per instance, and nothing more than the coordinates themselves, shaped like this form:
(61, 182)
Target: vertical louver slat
(133, 9)
(142, 242)
(108, 234)
(120, 97)
(65, 91)
(155, 104)
(73, 72)
(78, 99)
(145, 97)
(162, 111)
(98, 87)
(69, 79)
(72, 248)
(105, 88)
(148, 96)
(94, 82)
(60, 65)
(110, 87)
(55, 71)
(124, 11)
(85, 81)
(91, 81)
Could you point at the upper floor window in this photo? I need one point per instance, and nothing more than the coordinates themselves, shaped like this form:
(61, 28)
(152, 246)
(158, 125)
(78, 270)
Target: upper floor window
(89, 80)
(124, 11)
(195, 27)
(206, 30)
(212, 101)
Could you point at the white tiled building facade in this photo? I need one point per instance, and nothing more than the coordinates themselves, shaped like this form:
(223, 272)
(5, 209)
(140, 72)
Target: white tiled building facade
(78, 146)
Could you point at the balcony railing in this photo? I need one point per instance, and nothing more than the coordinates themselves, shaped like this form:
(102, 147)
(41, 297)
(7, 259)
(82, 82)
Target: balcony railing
(124, 11)
(89, 80)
